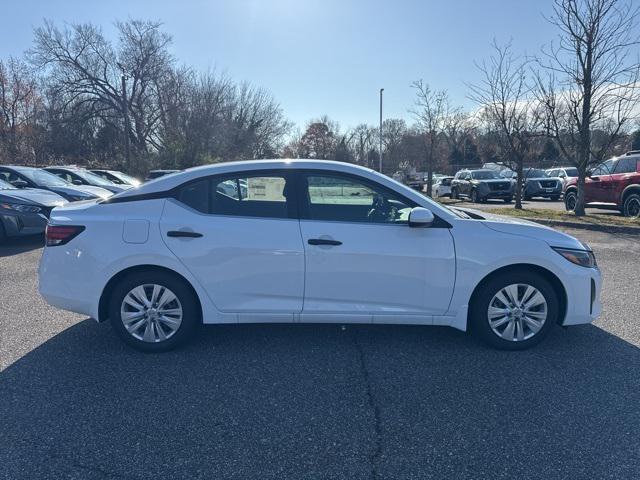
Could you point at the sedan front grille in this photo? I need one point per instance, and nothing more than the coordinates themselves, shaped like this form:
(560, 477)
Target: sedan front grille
(548, 183)
(499, 186)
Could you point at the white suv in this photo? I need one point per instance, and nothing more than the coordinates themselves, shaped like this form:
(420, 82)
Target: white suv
(308, 241)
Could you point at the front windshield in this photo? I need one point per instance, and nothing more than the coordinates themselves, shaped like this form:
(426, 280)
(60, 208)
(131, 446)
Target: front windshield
(6, 186)
(535, 173)
(42, 178)
(126, 178)
(483, 175)
(571, 172)
(92, 178)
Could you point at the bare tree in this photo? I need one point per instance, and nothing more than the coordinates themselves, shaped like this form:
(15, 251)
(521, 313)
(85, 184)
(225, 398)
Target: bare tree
(504, 95)
(20, 105)
(85, 69)
(432, 109)
(592, 79)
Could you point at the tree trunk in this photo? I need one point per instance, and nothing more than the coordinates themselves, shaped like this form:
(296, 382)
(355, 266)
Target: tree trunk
(582, 173)
(519, 182)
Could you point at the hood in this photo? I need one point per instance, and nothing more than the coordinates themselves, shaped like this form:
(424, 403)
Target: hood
(537, 179)
(492, 180)
(525, 228)
(35, 196)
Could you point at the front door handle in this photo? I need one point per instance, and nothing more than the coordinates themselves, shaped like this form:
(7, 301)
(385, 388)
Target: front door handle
(183, 234)
(323, 241)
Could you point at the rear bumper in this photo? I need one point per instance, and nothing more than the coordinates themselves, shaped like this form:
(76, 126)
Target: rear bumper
(19, 224)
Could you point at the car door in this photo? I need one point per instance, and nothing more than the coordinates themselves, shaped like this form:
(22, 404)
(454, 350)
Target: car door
(363, 261)
(598, 184)
(243, 245)
(622, 176)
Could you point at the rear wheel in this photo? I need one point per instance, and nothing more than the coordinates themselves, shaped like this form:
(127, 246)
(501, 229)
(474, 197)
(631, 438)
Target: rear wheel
(570, 201)
(153, 311)
(514, 311)
(631, 206)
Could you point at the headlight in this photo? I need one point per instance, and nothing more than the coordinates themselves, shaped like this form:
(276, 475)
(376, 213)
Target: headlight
(20, 207)
(584, 258)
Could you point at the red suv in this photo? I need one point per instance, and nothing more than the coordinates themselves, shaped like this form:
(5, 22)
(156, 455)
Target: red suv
(614, 183)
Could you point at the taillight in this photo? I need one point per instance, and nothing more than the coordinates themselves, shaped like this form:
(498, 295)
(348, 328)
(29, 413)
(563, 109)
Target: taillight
(61, 234)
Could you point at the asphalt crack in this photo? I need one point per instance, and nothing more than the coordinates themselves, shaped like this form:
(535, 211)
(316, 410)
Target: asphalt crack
(376, 454)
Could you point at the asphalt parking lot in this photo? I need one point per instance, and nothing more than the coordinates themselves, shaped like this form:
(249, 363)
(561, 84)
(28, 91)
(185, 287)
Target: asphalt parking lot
(318, 401)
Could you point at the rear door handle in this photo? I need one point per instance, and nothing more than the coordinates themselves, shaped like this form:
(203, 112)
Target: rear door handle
(183, 234)
(323, 241)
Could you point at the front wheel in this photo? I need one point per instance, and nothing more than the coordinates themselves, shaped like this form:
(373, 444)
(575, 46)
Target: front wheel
(508, 200)
(475, 198)
(153, 311)
(454, 194)
(570, 201)
(555, 198)
(631, 206)
(514, 311)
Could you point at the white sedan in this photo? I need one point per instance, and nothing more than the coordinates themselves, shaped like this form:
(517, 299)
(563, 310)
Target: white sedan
(308, 241)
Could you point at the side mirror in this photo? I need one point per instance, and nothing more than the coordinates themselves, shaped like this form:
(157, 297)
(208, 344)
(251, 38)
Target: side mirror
(421, 217)
(19, 184)
(77, 182)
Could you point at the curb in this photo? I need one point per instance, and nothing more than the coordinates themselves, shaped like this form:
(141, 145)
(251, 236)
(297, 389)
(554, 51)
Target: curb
(586, 226)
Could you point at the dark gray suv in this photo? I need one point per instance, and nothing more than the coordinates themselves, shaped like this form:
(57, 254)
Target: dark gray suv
(481, 185)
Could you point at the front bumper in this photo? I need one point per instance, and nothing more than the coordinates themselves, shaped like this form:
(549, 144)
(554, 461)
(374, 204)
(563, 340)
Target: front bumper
(536, 190)
(583, 296)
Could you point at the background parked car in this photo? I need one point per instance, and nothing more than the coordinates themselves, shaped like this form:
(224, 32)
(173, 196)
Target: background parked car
(481, 185)
(25, 211)
(80, 176)
(30, 177)
(612, 184)
(117, 177)
(563, 173)
(441, 187)
(153, 174)
(538, 184)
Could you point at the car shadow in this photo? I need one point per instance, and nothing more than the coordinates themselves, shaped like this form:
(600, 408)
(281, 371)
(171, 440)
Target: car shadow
(322, 401)
(15, 246)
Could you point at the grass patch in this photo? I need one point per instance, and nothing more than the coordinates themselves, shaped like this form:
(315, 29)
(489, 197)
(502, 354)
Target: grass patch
(611, 218)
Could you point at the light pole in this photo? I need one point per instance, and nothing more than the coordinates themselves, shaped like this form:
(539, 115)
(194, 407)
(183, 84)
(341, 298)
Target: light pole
(125, 114)
(380, 166)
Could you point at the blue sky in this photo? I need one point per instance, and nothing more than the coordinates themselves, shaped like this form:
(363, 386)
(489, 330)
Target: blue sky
(317, 56)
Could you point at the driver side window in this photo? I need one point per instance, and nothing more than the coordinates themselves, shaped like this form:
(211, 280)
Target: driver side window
(345, 199)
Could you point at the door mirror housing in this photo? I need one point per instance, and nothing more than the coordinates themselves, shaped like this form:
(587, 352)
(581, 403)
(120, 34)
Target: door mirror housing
(19, 184)
(421, 217)
(77, 182)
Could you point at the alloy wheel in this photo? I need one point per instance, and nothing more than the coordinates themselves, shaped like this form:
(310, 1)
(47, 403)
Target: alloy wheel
(632, 207)
(517, 312)
(570, 202)
(151, 313)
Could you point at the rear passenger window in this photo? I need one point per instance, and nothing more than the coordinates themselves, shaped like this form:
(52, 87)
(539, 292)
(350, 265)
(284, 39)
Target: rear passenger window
(251, 196)
(246, 196)
(626, 165)
(196, 195)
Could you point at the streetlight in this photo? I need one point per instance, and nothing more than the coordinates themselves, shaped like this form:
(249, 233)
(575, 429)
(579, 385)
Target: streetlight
(125, 114)
(380, 167)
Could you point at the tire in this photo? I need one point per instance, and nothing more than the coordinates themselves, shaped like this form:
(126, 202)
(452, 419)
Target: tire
(454, 194)
(554, 198)
(526, 197)
(631, 206)
(507, 200)
(570, 200)
(151, 323)
(3, 234)
(517, 321)
(474, 196)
